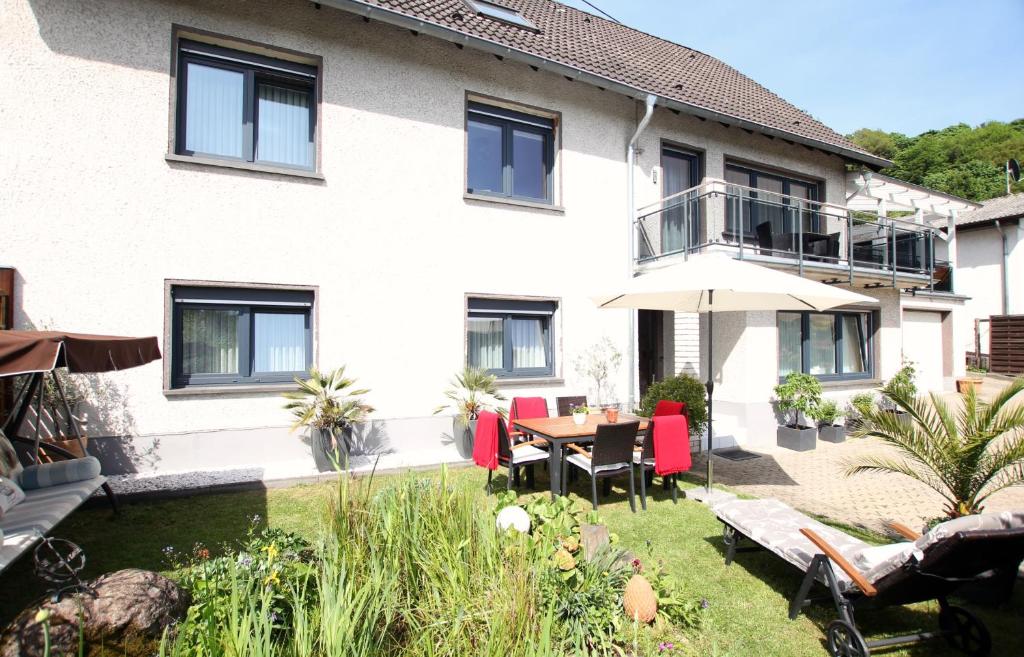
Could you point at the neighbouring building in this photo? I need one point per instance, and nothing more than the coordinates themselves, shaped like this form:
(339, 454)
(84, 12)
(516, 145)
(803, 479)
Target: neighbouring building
(990, 249)
(407, 187)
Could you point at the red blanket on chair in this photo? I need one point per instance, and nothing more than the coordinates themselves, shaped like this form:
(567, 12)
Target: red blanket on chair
(485, 442)
(671, 444)
(666, 407)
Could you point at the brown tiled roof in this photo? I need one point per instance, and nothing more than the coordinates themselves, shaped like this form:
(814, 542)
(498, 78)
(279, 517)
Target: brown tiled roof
(627, 56)
(1003, 207)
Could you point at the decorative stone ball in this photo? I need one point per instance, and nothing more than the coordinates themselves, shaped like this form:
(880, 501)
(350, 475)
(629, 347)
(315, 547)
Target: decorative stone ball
(639, 599)
(515, 517)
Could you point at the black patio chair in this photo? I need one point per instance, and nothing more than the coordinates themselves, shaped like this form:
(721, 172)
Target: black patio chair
(517, 455)
(566, 404)
(643, 459)
(612, 456)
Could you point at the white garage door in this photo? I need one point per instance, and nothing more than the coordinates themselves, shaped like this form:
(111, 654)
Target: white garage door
(922, 344)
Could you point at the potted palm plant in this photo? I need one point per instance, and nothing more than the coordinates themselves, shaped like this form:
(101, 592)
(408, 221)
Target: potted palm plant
(326, 404)
(825, 413)
(472, 390)
(798, 394)
(965, 453)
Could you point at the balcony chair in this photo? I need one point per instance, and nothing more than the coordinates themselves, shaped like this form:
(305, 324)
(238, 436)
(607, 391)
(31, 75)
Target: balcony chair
(512, 455)
(566, 404)
(612, 455)
(981, 551)
(646, 456)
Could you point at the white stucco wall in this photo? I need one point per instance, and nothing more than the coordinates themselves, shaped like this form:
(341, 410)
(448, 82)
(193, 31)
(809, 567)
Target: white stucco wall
(979, 275)
(99, 220)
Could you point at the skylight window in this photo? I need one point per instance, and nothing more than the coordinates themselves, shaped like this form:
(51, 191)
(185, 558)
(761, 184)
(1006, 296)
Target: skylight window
(504, 14)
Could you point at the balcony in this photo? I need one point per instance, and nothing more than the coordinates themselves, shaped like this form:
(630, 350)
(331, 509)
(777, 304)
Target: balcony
(825, 241)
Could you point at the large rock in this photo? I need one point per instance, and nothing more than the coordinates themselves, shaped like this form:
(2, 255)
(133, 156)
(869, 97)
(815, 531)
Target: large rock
(130, 611)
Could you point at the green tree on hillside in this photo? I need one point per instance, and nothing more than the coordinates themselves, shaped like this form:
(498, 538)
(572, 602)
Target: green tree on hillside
(957, 160)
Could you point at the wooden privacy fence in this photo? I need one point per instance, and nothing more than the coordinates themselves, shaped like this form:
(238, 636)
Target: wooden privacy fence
(1006, 344)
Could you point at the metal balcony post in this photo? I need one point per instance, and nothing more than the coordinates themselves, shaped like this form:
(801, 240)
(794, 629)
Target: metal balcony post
(892, 252)
(739, 214)
(799, 240)
(849, 243)
(931, 260)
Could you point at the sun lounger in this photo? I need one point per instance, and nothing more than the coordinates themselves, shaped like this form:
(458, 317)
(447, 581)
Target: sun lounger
(969, 550)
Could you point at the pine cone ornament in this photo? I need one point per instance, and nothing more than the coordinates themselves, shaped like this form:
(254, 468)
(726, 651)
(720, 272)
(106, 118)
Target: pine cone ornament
(639, 599)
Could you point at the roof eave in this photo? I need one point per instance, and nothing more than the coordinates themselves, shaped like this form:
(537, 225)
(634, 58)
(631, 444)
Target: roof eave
(399, 19)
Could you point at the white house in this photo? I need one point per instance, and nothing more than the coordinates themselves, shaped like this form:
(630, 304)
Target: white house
(406, 187)
(990, 249)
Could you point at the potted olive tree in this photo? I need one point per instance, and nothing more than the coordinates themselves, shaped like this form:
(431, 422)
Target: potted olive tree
(825, 413)
(326, 404)
(798, 394)
(472, 390)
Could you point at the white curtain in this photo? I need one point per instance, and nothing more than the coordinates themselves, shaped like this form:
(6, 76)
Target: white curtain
(528, 344)
(790, 347)
(823, 344)
(279, 342)
(486, 343)
(209, 341)
(853, 344)
(213, 111)
(283, 126)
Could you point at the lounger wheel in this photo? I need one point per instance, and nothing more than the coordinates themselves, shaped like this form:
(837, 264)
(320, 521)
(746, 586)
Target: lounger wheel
(964, 631)
(845, 641)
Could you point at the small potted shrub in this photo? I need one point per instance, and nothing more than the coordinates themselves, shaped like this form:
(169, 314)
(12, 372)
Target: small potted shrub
(798, 394)
(826, 412)
(900, 386)
(472, 390)
(326, 404)
(857, 408)
(579, 413)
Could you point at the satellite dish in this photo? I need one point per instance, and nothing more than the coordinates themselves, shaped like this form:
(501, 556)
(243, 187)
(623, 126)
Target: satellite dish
(1014, 168)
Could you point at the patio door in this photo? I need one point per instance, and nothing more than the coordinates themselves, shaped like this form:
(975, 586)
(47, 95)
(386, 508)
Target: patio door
(656, 330)
(680, 226)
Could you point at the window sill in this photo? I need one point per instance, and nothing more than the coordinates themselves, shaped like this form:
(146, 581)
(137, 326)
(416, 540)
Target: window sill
(243, 166)
(500, 200)
(533, 381)
(241, 389)
(851, 383)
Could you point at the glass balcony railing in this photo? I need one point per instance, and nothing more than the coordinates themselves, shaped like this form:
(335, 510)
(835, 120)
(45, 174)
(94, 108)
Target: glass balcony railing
(767, 225)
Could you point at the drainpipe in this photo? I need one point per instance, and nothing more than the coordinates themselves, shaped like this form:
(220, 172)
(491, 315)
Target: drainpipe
(631, 237)
(1005, 267)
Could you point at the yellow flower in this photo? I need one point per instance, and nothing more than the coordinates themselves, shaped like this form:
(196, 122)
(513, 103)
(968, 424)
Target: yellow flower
(271, 551)
(272, 578)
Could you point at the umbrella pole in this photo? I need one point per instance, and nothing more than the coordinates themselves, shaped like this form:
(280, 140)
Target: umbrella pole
(710, 385)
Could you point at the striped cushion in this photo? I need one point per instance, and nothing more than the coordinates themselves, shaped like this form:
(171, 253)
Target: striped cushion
(45, 475)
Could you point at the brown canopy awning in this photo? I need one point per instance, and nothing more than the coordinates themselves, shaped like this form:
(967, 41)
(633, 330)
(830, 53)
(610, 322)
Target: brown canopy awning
(24, 352)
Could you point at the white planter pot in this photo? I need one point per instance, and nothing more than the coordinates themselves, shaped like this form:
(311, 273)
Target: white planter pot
(579, 418)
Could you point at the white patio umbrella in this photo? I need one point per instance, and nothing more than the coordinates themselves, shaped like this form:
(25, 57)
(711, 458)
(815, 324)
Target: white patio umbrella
(715, 281)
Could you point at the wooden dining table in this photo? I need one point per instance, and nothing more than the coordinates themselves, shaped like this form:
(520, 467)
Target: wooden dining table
(560, 431)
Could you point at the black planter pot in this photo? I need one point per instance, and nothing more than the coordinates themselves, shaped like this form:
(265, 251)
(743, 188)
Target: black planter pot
(330, 447)
(463, 435)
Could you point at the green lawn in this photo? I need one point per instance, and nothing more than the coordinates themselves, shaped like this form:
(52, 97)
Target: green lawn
(748, 600)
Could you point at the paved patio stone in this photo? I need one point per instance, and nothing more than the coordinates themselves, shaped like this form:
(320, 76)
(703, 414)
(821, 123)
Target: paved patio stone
(815, 482)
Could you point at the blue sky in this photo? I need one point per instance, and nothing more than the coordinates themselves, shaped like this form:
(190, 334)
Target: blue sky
(899, 65)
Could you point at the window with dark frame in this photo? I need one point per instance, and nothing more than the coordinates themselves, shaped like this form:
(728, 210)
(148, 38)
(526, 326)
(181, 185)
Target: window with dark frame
(830, 345)
(511, 338)
(224, 336)
(238, 106)
(509, 154)
(769, 202)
